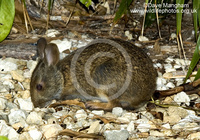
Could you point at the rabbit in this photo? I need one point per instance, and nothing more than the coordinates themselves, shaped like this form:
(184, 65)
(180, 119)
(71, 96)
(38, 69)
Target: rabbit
(104, 74)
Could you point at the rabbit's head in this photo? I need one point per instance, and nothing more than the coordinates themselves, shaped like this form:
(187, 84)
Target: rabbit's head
(46, 81)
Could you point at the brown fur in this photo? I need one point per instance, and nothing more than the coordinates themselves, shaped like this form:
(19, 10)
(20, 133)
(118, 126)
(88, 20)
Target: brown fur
(58, 83)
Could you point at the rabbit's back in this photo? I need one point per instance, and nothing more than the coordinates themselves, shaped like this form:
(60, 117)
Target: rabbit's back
(110, 70)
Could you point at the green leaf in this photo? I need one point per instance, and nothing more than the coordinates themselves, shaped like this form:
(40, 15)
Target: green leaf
(194, 61)
(195, 8)
(87, 3)
(123, 7)
(179, 15)
(7, 13)
(3, 138)
(198, 13)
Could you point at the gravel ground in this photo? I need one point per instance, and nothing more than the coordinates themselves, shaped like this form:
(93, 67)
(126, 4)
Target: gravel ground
(20, 120)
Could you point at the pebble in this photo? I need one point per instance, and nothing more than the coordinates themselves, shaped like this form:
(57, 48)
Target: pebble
(161, 83)
(143, 38)
(130, 116)
(31, 65)
(62, 44)
(18, 75)
(173, 36)
(144, 127)
(35, 134)
(182, 97)
(34, 119)
(194, 136)
(116, 134)
(25, 104)
(81, 115)
(95, 127)
(131, 127)
(25, 136)
(96, 112)
(170, 85)
(156, 133)
(8, 131)
(27, 73)
(8, 64)
(180, 127)
(51, 130)
(52, 33)
(129, 35)
(2, 103)
(173, 110)
(117, 111)
(17, 116)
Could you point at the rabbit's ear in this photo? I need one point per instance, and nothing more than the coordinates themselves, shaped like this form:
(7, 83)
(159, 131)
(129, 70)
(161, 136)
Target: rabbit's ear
(51, 54)
(41, 44)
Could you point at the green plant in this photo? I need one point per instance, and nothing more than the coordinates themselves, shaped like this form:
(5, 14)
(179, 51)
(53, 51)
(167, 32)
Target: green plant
(7, 13)
(3, 138)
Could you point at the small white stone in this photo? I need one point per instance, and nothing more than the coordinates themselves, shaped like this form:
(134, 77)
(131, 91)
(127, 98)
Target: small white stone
(27, 74)
(116, 135)
(25, 136)
(95, 127)
(96, 112)
(123, 120)
(18, 75)
(166, 126)
(9, 84)
(144, 127)
(34, 118)
(5, 77)
(143, 38)
(168, 68)
(170, 85)
(35, 134)
(130, 115)
(82, 123)
(51, 130)
(59, 114)
(31, 65)
(117, 111)
(185, 127)
(161, 83)
(131, 127)
(108, 126)
(179, 81)
(8, 131)
(17, 116)
(156, 133)
(147, 116)
(129, 35)
(173, 110)
(177, 66)
(182, 97)
(173, 36)
(62, 44)
(80, 115)
(8, 64)
(13, 135)
(169, 60)
(194, 136)
(172, 119)
(25, 104)
(158, 65)
(52, 33)
(3, 103)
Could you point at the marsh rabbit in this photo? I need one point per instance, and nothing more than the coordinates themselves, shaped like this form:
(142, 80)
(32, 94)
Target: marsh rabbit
(112, 72)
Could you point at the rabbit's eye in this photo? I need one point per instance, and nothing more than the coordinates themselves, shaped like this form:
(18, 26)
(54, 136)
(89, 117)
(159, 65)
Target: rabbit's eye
(39, 87)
